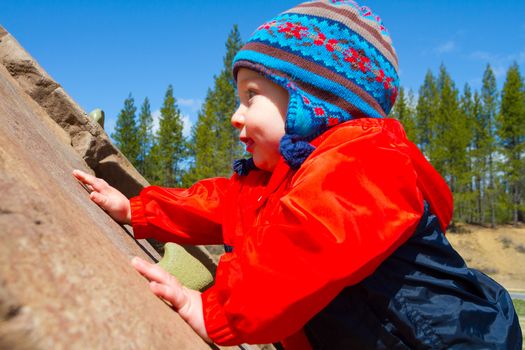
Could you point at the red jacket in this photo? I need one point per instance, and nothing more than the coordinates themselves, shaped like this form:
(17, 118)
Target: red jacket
(356, 199)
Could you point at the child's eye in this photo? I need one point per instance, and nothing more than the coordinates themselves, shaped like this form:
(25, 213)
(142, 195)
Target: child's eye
(250, 94)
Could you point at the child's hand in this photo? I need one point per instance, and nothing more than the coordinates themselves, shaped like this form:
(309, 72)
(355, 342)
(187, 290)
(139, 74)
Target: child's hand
(187, 302)
(108, 198)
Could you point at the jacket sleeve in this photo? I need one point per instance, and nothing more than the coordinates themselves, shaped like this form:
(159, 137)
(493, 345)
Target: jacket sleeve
(184, 216)
(348, 209)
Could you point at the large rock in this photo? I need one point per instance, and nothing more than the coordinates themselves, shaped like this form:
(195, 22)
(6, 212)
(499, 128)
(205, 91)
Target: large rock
(65, 277)
(86, 136)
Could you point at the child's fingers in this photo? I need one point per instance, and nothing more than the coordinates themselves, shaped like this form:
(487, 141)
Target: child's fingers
(90, 180)
(175, 295)
(162, 284)
(152, 271)
(83, 177)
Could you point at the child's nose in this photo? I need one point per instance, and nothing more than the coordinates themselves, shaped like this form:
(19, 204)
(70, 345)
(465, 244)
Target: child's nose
(237, 119)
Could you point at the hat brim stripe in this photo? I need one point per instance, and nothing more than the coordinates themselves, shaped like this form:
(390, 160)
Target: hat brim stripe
(349, 18)
(312, 67)
(320, 82)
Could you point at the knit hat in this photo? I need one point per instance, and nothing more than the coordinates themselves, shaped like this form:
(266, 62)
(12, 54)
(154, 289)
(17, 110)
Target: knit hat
(337, 62)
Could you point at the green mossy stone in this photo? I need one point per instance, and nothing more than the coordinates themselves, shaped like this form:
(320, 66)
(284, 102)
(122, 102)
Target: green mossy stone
(98, 116)
(188, 270)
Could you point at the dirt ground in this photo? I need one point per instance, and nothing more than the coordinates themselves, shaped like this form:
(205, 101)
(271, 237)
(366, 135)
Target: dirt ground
(500, 252)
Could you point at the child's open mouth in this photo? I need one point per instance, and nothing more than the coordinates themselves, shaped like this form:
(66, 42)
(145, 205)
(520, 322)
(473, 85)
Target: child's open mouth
(249, 145)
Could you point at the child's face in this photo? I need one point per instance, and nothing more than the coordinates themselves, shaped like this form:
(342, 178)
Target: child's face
(260, 117)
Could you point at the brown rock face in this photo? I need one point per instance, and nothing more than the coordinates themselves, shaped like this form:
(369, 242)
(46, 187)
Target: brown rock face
(65, 277)
(85, 136)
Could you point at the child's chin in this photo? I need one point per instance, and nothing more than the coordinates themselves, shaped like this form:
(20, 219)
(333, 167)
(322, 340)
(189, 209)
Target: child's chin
(263, 164)
(259, 163)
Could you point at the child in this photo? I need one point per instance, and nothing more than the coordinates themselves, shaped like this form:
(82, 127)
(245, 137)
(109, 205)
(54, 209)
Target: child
(334, 230)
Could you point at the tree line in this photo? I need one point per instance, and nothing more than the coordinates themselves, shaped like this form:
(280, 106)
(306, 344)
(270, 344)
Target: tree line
(166, 157)
(475, 139)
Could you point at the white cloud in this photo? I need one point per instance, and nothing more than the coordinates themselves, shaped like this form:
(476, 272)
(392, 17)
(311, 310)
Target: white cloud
(499, 62)
(449, 46)
(191, 103)
(499, 58)
(445, 47)
(483, 56)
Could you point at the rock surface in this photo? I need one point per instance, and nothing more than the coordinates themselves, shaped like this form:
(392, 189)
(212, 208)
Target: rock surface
(86, 136)
(65, 277)
(79, 131)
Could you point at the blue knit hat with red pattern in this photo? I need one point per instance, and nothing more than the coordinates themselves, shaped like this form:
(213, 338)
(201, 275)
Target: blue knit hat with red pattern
(337, 62)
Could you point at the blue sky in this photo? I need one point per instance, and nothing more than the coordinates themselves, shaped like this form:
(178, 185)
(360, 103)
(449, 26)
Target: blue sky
(100, 51)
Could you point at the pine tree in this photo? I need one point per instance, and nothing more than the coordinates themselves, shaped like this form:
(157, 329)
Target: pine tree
(439, 124)
(169, 153)
(511, 132)
(468, 197)
(215, 144)
(426, 111)
(478, 161)
(145, 137)
(125, 134)
(412, 105)
(450, 138)
(202, 147)
(403, 112)
(489, 95)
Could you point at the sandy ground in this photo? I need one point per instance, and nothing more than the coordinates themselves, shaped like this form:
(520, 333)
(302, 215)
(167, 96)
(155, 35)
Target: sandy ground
(500, 252)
